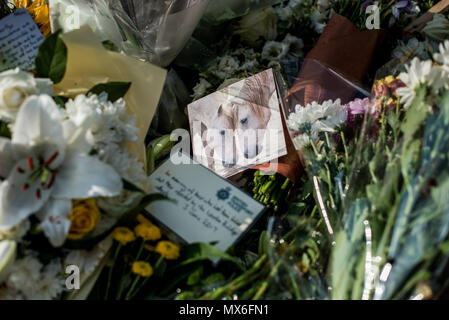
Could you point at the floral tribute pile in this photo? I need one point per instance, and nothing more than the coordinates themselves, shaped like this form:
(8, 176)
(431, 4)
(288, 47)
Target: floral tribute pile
(367, 219)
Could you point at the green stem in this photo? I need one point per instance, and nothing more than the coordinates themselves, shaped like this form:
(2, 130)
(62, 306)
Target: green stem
(127, 297)
(111, 269)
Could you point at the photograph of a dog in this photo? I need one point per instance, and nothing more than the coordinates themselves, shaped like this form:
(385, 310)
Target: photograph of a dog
(239, 126)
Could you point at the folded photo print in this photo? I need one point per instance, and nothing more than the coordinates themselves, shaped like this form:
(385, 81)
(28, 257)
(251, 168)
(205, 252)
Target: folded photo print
(239, 126)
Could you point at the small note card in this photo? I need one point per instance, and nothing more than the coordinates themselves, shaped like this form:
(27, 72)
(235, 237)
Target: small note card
(19, 40)
(207, 208)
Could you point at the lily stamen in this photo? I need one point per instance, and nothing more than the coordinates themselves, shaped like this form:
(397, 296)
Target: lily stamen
(51, 159)
(20, 170)
(38, 194)
(30, 163)
(25, 187)
(51, 181)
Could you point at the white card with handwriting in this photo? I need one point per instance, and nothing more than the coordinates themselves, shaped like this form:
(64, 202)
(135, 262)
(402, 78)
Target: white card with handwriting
(207, 208)
(19, 40)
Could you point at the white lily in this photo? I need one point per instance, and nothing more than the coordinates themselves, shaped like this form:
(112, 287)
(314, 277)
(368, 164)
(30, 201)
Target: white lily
(46, 165)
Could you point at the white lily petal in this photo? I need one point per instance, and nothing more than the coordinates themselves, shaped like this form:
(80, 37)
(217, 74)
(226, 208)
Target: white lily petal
(38, 120)
(55, 220)
(6, 157)
(83, 176)
(79, 137)
(19, 202)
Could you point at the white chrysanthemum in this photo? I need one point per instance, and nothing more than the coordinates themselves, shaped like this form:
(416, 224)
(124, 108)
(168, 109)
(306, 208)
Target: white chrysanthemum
(301, 141)
(226, 66)
(318, 19)
(295, 45)
(317, 118)
(125, 163)
(51, 285)
(29, 280)
(443, 56)
(419, 73)
(200, 89)
(110, 122)
(88, 261)
(274, 50)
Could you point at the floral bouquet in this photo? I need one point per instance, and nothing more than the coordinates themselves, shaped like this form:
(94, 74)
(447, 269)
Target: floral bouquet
(68, 173)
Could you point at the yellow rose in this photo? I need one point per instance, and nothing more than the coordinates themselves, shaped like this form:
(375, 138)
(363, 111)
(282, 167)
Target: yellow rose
(168, 250)
(84, 218)
(142, 268)
(148, 232)
(123, 235)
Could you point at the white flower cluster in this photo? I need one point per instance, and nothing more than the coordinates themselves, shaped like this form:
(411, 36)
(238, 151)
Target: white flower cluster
(425, 73)
(315, 118)
(30, 280)
(110, 129)
(277, 51)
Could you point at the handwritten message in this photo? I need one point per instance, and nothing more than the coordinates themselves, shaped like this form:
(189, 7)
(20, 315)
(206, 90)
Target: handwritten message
(19, 40)
(207, 208)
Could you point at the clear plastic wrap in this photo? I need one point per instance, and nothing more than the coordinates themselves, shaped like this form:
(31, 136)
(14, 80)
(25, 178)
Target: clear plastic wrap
(155, 31)
(221, 11)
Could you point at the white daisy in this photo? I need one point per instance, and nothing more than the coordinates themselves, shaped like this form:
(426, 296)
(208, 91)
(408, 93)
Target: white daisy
(316, 118)
(419, 73)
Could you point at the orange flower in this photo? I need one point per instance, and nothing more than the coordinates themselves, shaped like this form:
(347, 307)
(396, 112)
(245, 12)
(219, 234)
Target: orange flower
(38, 9)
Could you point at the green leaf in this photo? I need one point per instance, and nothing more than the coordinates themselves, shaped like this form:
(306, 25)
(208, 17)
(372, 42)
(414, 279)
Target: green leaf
(60, 101)
(115, 90)
(51, 58)
(204, 251)
(127, 185)
(4, 130)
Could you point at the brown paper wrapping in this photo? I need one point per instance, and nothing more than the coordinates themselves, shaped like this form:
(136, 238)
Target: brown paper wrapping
(345, 50)
(341, 57)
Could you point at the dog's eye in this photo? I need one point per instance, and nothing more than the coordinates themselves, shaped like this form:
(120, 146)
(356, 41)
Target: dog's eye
(222, 132)
(243, 121)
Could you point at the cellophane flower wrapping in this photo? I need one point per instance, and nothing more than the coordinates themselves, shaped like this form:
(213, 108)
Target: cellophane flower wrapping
(155, 31)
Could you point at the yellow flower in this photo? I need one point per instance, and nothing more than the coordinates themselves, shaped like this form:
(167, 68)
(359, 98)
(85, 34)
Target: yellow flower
(123, 235)
(141, 219)
(168, 250)
(142, 269)
(389, 79)
(38, 9)
(148, 232)
(84, 218)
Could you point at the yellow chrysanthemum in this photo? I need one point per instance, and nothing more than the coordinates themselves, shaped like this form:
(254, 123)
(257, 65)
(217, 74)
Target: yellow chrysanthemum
(84, 218)
(38, 9)
(168, 250)
(148, 232)
(142, 219)
(142, 268)
(123, 235)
